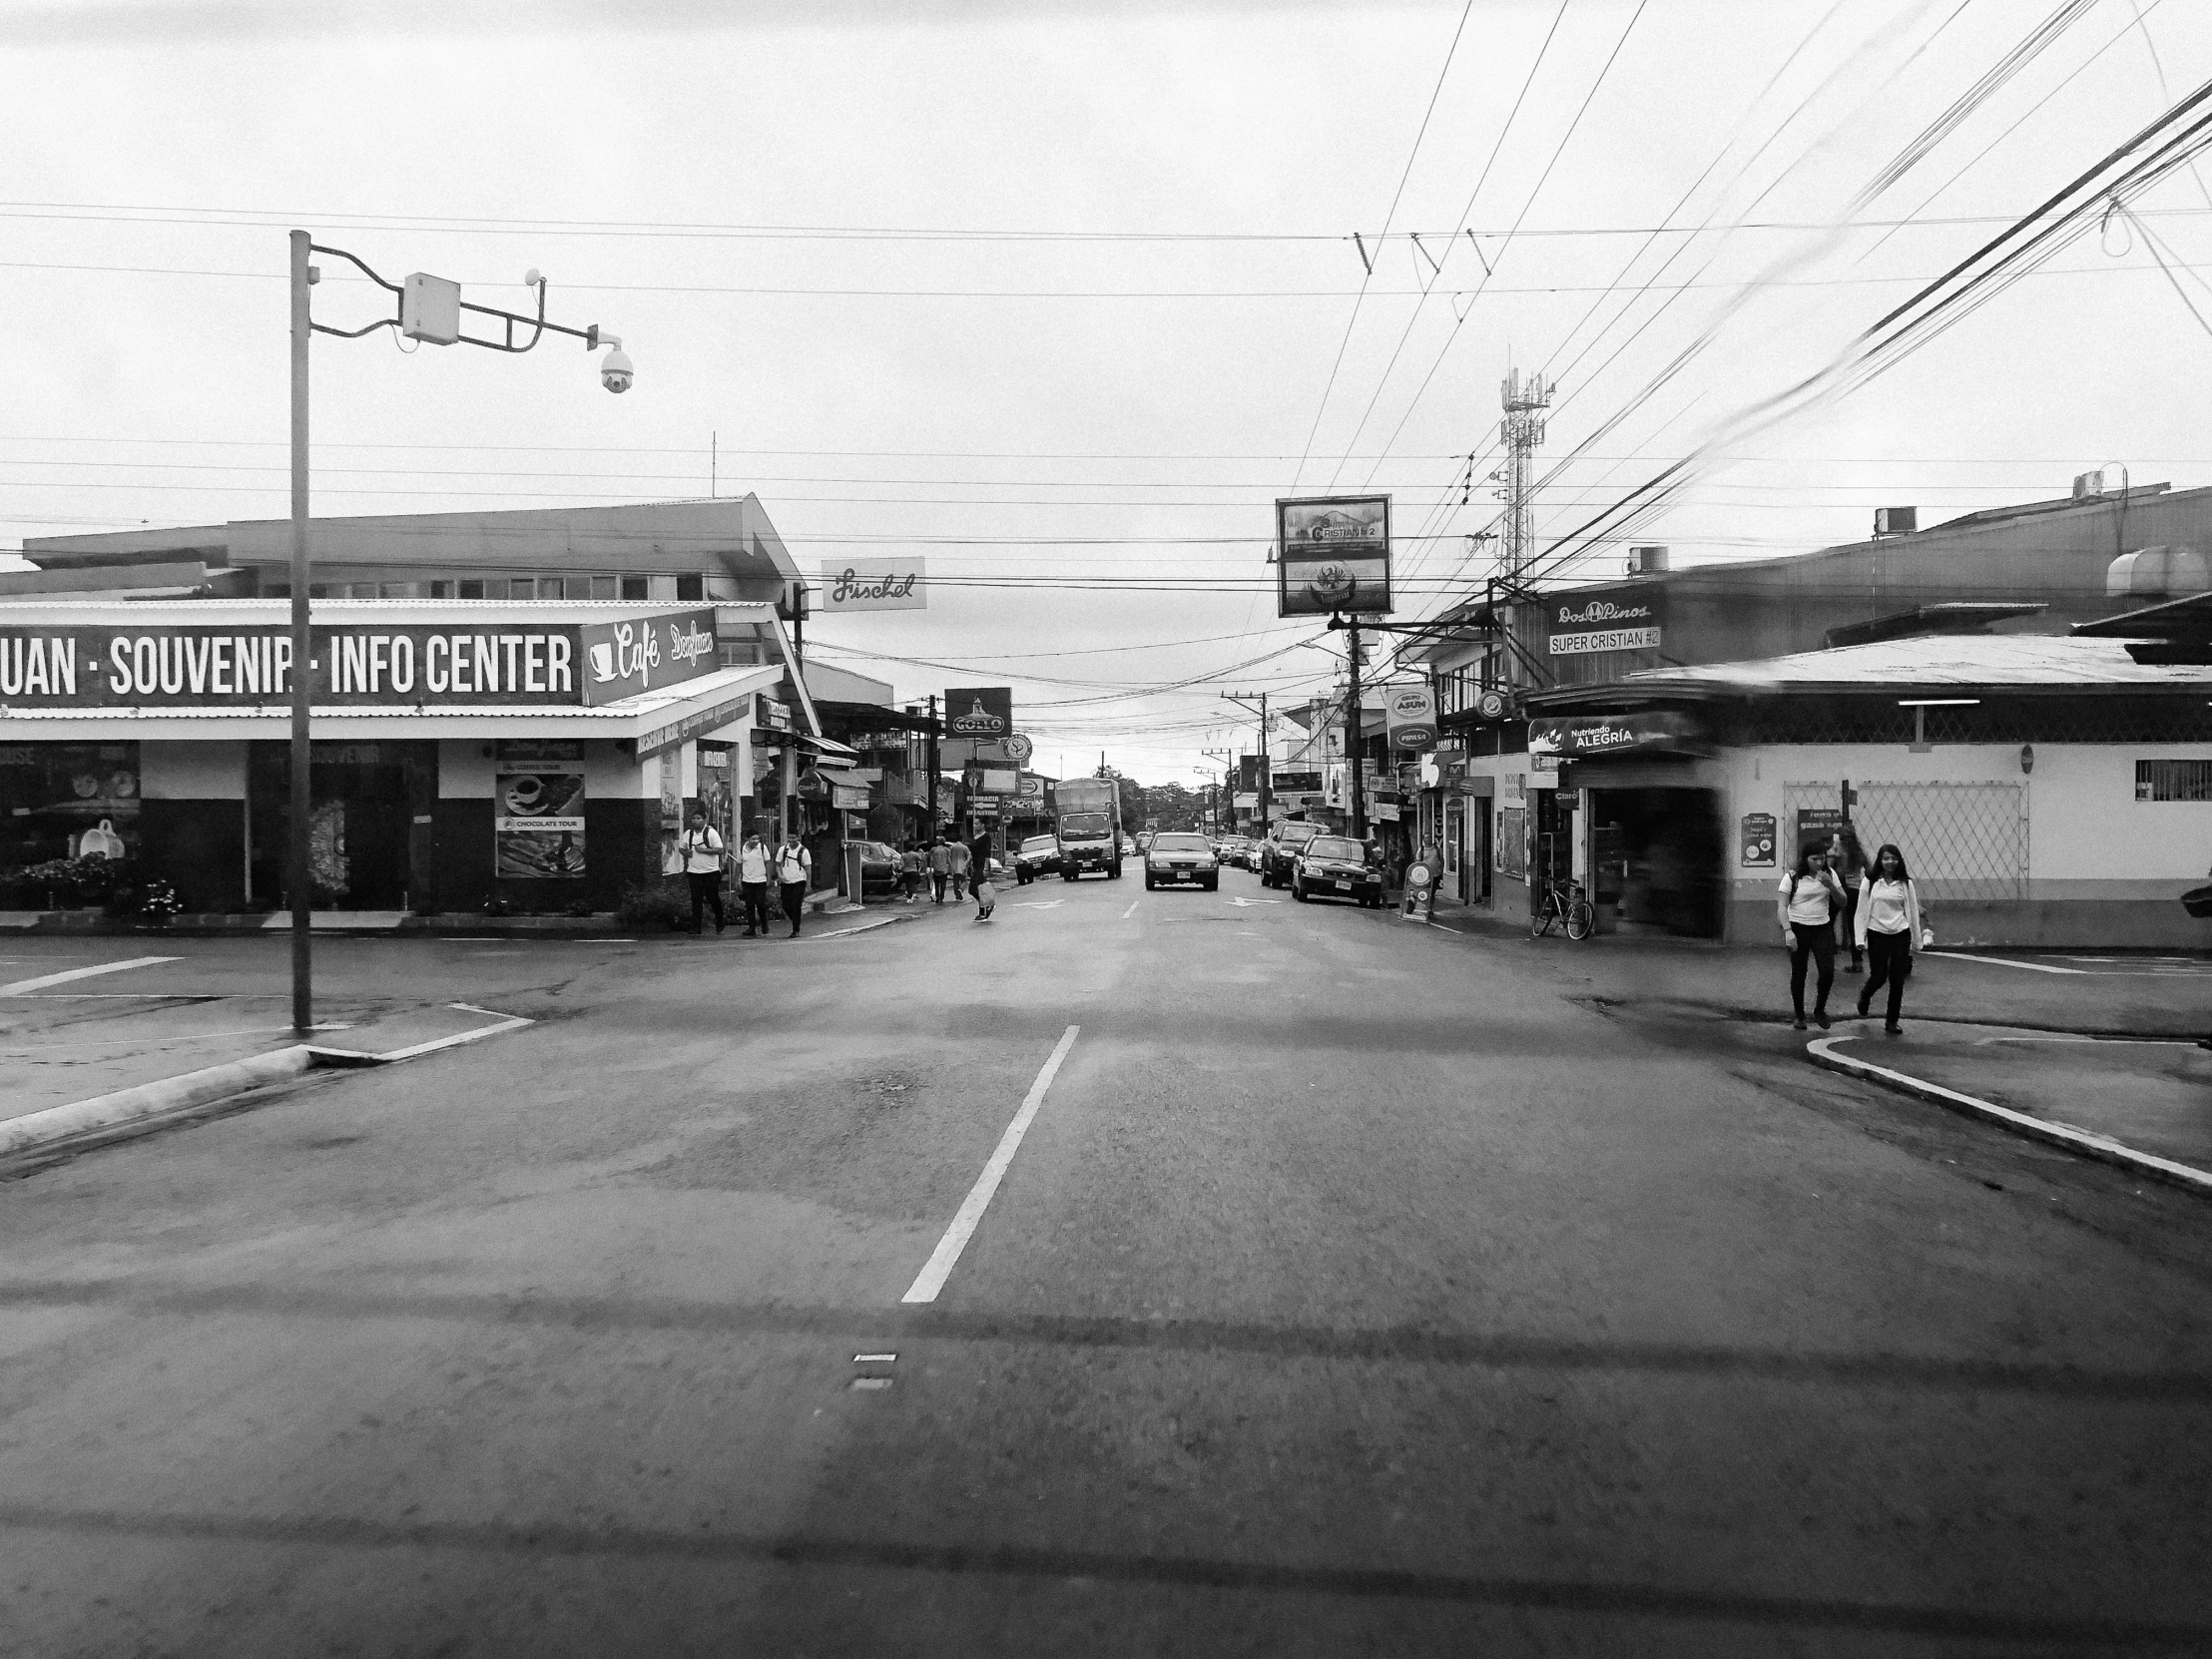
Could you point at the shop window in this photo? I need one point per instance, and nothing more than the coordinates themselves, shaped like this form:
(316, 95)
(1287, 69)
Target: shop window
(363, 590)
(521, 587)
(399, 590)
(276, 590)
(62, 799)
(442, 590)
(634, 587)
(472, 586)
(691, 587)
(2173, 779)
(606, 586)
(557, 587)
(322, 590)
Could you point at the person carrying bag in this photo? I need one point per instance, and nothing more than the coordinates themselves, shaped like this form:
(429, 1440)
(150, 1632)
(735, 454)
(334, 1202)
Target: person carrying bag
(1807, 901)
(794, 872)
(753, 866)
(1890, 923)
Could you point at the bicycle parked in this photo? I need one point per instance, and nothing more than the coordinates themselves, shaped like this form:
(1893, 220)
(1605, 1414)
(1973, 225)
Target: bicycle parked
(1562, 902)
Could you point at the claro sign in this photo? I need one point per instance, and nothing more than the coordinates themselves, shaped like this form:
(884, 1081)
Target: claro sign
(1628, 618)
(443, 665)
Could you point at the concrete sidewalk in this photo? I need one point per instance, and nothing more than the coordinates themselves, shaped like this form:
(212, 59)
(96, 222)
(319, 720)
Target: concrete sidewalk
(2146, 1103)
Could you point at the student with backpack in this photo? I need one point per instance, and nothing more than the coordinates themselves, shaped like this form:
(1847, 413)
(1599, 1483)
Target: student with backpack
(1807, 901)
(794, 870)
(1890, 923)
(702, 851)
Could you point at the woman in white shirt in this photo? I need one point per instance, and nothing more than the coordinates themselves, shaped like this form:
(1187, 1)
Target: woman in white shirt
(1889, 923)
(1808, 902)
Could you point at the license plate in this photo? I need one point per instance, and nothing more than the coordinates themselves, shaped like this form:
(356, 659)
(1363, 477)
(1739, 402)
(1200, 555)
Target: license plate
(1344, 887)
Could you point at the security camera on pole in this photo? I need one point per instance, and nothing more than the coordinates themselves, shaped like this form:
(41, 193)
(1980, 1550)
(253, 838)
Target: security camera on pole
(428, 308)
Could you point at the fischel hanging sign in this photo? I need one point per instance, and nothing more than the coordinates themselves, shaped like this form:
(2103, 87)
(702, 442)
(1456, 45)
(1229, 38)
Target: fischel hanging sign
(452, 665)
(873, 585)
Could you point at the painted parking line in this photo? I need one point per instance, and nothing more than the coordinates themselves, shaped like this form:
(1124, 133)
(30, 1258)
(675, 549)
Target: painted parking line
(939, 1267)
(21, 986)
(2004, 961)
(1132, 910)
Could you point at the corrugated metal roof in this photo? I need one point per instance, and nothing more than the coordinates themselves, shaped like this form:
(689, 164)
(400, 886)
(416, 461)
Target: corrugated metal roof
(2038, 662)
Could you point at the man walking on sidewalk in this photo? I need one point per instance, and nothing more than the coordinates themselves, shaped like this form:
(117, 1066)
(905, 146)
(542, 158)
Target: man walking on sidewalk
(701, 851)
(794, 869)
(940, 867)
(956, 860)
(752, 884)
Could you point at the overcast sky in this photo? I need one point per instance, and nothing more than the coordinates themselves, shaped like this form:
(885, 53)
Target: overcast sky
(1062, 296)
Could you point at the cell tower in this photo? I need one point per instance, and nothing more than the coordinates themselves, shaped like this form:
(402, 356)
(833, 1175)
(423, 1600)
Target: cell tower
(1520, 431)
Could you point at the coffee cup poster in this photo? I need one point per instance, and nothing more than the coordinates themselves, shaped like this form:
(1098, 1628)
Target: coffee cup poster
(538, 808)
(1332, 554)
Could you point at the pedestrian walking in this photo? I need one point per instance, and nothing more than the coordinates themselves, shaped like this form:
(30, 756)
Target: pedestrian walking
(1808, 902)
(909, 871)
(702, 851)
(1888, 926)
(753, 872)
(956, 859)
(1848, 859)
(979, 874)
(940, 867)
(794, 868)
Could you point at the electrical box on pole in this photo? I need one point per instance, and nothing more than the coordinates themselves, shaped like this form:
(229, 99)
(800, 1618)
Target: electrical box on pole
(430, 309)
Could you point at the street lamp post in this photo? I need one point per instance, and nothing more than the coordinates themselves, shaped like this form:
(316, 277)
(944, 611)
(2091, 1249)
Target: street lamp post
(428, 308)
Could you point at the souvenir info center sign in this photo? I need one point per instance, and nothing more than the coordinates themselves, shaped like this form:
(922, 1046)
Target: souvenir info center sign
(450, 665)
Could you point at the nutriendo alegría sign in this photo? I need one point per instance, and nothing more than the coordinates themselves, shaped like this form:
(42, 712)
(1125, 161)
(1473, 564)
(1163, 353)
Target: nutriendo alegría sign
(1586, 737)
(452, 664)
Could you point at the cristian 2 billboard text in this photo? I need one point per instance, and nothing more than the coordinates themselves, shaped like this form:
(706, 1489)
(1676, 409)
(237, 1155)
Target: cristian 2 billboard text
(442, 666)
(1332, 554)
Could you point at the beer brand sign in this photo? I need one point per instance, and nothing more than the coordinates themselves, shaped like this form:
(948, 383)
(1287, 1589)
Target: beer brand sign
(986, 711)
(455, 664)
(1410, 715)
(1595, 620)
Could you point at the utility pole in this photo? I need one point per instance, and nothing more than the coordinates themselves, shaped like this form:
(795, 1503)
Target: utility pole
(1352, 736)
(1244, 700)
(1522, 431)
(298, 875)
(933, 763)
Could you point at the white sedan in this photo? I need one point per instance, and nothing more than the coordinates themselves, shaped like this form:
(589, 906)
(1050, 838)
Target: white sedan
(1173, 858)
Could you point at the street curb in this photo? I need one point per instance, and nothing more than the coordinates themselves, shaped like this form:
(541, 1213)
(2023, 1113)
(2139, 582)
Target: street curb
(212, 1084)
(1822, 1053)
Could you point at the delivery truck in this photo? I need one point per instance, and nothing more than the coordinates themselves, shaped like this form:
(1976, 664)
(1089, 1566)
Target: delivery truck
(1087, 820)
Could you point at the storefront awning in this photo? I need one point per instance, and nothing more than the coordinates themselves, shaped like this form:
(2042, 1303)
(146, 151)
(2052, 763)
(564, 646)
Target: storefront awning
(830, 752)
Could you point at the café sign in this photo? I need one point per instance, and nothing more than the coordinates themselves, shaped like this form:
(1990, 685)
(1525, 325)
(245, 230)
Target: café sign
(446, 664)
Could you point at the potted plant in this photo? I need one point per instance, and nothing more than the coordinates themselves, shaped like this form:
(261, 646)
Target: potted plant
(158, 904)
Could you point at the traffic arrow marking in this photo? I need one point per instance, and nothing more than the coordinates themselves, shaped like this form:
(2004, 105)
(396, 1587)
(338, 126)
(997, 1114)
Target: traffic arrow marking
(1242, 902)
(1041, 904)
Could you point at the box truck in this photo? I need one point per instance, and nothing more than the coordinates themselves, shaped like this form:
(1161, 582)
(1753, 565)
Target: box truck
(1087, 820)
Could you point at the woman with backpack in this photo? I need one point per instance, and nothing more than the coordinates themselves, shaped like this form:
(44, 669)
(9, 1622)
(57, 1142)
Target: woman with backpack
(794, 868)
(1888, 926)
(1808, 902)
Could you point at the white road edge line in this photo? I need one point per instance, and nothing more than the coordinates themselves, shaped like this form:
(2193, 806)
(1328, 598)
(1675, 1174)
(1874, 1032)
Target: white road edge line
(2006, 961)
(932, 1279)
(506, 1022)
(63, 978)
(1132, 910)
(1823, 1049)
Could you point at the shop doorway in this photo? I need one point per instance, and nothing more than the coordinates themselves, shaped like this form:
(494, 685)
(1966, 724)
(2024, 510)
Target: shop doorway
(366, 849)
(1662, 853)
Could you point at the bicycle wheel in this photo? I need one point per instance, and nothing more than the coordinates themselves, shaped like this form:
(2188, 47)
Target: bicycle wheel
(1581, 920)
(1541, 917)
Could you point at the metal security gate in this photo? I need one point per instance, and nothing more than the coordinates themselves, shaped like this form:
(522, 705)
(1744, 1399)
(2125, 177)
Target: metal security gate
(1962, 840)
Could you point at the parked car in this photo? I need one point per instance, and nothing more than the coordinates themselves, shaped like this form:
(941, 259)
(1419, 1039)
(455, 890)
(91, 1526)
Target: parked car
(1281, 846)
(1179, 857)
(878, 867)
(1038, 856)
(1337, 867)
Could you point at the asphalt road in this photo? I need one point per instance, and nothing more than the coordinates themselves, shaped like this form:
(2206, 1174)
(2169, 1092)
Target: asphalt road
(1357, 1287)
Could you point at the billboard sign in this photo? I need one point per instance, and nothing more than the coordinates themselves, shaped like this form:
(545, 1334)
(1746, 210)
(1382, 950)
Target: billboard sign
(1332, 553)
(538, 808)
(1410, 715)
(873, 585)
(986, 711)
(1588, 621)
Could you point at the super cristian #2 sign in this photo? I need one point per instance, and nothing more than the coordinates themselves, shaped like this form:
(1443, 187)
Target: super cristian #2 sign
(450, 665)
